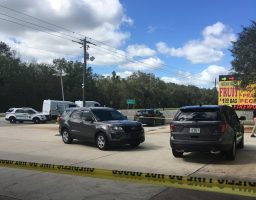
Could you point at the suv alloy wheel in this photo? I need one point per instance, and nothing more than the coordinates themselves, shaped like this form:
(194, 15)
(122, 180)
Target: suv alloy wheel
(67, 139)
(36, 120)
(12, 120)
(101, 141)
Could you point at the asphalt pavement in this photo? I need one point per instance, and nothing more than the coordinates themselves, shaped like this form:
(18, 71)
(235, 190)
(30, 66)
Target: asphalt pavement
(17, 184)
(40, 143)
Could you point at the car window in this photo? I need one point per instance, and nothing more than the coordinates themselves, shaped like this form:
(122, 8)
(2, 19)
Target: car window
(10, 110)
(72, 106)
(19, 111)
(151, 112)
(87, 116)
(31, 112)
(76, 115)
(107, 115)
(197, 115)
(234, 117)
(66, 112)
(158, 112)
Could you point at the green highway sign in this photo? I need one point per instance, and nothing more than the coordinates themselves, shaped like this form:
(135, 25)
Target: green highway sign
(130, 101)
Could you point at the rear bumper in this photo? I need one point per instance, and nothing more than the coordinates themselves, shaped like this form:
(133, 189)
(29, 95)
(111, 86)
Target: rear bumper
(201, 146)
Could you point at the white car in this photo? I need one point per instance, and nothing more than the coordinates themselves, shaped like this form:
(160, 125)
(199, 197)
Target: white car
(24, 114)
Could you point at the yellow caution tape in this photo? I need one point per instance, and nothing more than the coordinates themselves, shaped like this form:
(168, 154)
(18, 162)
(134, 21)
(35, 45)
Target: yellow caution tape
(237, 187)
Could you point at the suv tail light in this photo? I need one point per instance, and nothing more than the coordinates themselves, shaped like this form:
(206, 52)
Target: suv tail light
(223, 127)
(172, 128)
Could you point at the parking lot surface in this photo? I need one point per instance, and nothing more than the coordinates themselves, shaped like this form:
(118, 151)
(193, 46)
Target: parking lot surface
(42, 143)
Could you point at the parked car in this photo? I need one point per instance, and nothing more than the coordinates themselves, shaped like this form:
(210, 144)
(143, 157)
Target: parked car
(102, 125)
(149, 117)
(206, 128)
(24, 114)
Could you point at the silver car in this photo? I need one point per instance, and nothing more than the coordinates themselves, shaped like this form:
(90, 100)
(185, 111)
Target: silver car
(24, 114)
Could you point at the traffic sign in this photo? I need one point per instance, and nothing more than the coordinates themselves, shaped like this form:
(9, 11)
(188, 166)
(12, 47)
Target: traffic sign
(130, 101)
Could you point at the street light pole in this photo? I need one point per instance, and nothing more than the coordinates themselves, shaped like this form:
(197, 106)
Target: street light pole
(61, 73)
(61, 82)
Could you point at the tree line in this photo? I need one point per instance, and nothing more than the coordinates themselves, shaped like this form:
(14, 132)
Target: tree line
(28, 84)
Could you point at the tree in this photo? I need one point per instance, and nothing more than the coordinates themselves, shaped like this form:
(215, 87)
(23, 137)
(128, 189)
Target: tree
(244, 52)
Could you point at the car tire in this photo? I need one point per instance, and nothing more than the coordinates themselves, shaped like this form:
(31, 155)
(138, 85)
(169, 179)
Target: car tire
(134, 144)
(101, 141)
(67, 139)
(177, 154)
(12, 120)
(163, 122)
(231, 153)
(36, 120)
(241, 143)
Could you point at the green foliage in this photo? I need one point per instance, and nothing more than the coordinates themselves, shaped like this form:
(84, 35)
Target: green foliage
(23, 84)
(244, 52)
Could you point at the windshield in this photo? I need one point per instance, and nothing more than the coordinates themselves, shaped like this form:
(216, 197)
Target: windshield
(107, 115)
(197, 115)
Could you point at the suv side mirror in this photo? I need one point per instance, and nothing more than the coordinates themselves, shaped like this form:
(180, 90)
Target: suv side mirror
(242, 118)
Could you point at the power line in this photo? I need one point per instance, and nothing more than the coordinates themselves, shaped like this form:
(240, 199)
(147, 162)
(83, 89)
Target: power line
(159, 69)
(37, 25)
(67, 29)
(36, 18)
(130, 60)
(24, 25)
(115, 50)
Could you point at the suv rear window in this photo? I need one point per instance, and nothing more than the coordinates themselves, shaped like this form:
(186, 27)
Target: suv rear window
(198, 114)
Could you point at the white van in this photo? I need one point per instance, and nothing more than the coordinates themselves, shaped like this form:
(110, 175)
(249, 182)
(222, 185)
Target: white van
(53, 108)
(88, 103)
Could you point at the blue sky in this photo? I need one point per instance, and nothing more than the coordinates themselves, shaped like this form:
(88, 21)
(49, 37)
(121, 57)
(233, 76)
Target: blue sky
(180, 41)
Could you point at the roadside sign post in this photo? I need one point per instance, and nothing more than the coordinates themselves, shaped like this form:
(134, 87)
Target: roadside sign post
(130, 102)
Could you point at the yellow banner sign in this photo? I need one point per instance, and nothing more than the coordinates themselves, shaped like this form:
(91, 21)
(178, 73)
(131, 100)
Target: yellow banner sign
(231, 94)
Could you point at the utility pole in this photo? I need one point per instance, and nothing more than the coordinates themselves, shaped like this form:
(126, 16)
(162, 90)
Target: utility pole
(85, 43)
(215, 92)
(84, 68)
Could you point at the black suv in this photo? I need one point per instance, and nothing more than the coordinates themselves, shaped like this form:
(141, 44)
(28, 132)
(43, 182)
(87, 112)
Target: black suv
(150, 117)
(206, 128)
(101, 125)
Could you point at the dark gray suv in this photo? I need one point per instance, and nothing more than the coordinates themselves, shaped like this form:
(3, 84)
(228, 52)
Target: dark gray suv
(101, 125)
(206, 128)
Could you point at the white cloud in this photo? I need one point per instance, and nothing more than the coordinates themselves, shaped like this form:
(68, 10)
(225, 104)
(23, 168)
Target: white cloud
(125, 59)
(144, 64)
(204, 78)
(208, 50)
(151, 29)
(107, 56)
(139, 51)
(98, 19)
(127, 20)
